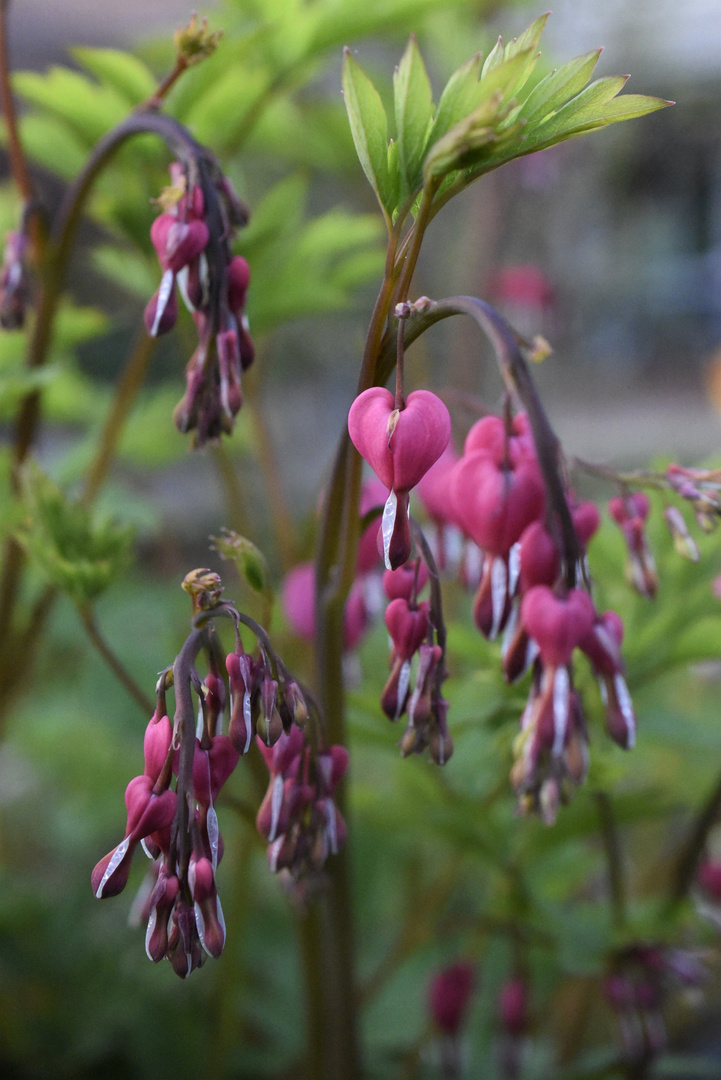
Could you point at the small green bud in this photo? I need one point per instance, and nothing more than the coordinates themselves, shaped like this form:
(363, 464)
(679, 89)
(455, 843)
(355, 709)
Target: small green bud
(195, 42)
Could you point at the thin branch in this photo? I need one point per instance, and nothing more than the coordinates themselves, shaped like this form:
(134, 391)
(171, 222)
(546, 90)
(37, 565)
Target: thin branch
(614, 861)
(97, 640)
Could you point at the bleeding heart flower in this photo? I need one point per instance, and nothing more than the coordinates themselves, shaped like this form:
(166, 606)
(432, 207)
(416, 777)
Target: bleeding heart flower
(557, 624)
(399, 445)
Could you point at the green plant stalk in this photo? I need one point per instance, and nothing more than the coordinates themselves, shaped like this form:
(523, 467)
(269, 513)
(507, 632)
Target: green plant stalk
(98, 642)
(127, 390)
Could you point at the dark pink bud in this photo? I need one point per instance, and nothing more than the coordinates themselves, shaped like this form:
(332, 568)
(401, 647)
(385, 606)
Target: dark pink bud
(212, 767)
(538, 554)
(331, 765)
(238, 273)
(449, 996)
(110, 875)
(407, 582)
(557, 624)
(156, 744)
(279, 804)
(407, 627)
(162, 901)
(586, 520)
(282, 758)
(399, 445)
(177, 242)
(147, 813)
(494, 503)
(209, 919)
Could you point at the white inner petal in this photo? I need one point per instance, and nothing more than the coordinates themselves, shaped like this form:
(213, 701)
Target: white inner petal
(387, 522)
(561, 692)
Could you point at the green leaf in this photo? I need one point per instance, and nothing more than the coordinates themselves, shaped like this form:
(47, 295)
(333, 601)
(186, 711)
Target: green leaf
(124, 72)
(413, 102)
(217, 116)
(53, 144)
(458, 97)
(369, 127)
(78, 553)
(558, 87)
(67, 94)
(494, 58)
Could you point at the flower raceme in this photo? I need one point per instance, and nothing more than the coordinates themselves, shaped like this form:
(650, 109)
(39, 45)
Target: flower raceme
(400, 445)
(213, 284)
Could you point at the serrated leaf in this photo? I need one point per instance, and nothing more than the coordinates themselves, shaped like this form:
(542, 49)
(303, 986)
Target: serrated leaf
(123, 71)
(79, 553)
(68, 94)
(413, 102)
(369, 127)
(558, 87)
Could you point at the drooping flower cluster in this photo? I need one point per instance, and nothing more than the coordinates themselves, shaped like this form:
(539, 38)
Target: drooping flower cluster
(192, 239)
(171, 806)
(495, 494)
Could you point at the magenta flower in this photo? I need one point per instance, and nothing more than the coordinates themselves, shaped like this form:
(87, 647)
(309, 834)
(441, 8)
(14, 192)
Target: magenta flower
(400, 445)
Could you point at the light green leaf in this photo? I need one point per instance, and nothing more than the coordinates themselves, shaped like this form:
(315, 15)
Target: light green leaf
(369, 127)
(78, 553)
(494, 58)
(413, 102)
(558, 87)
(53, 144)
(128, 269)
(124, 72)
(458, 97)
(67, 94)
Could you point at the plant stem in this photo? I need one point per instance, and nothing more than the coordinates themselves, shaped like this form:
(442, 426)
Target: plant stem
(18, 163)
(692, 848)
(98, 641)
(612, 847)
(125, 394)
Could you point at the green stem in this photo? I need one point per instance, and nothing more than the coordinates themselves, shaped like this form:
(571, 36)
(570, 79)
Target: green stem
(18, 164)
(612, 847)
(125, 394)
(121, 673)
(693, 846)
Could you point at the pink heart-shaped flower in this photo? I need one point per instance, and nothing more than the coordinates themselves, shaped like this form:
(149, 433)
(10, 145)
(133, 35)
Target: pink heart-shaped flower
(399, 445)
(494, 504)
(557, 624)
